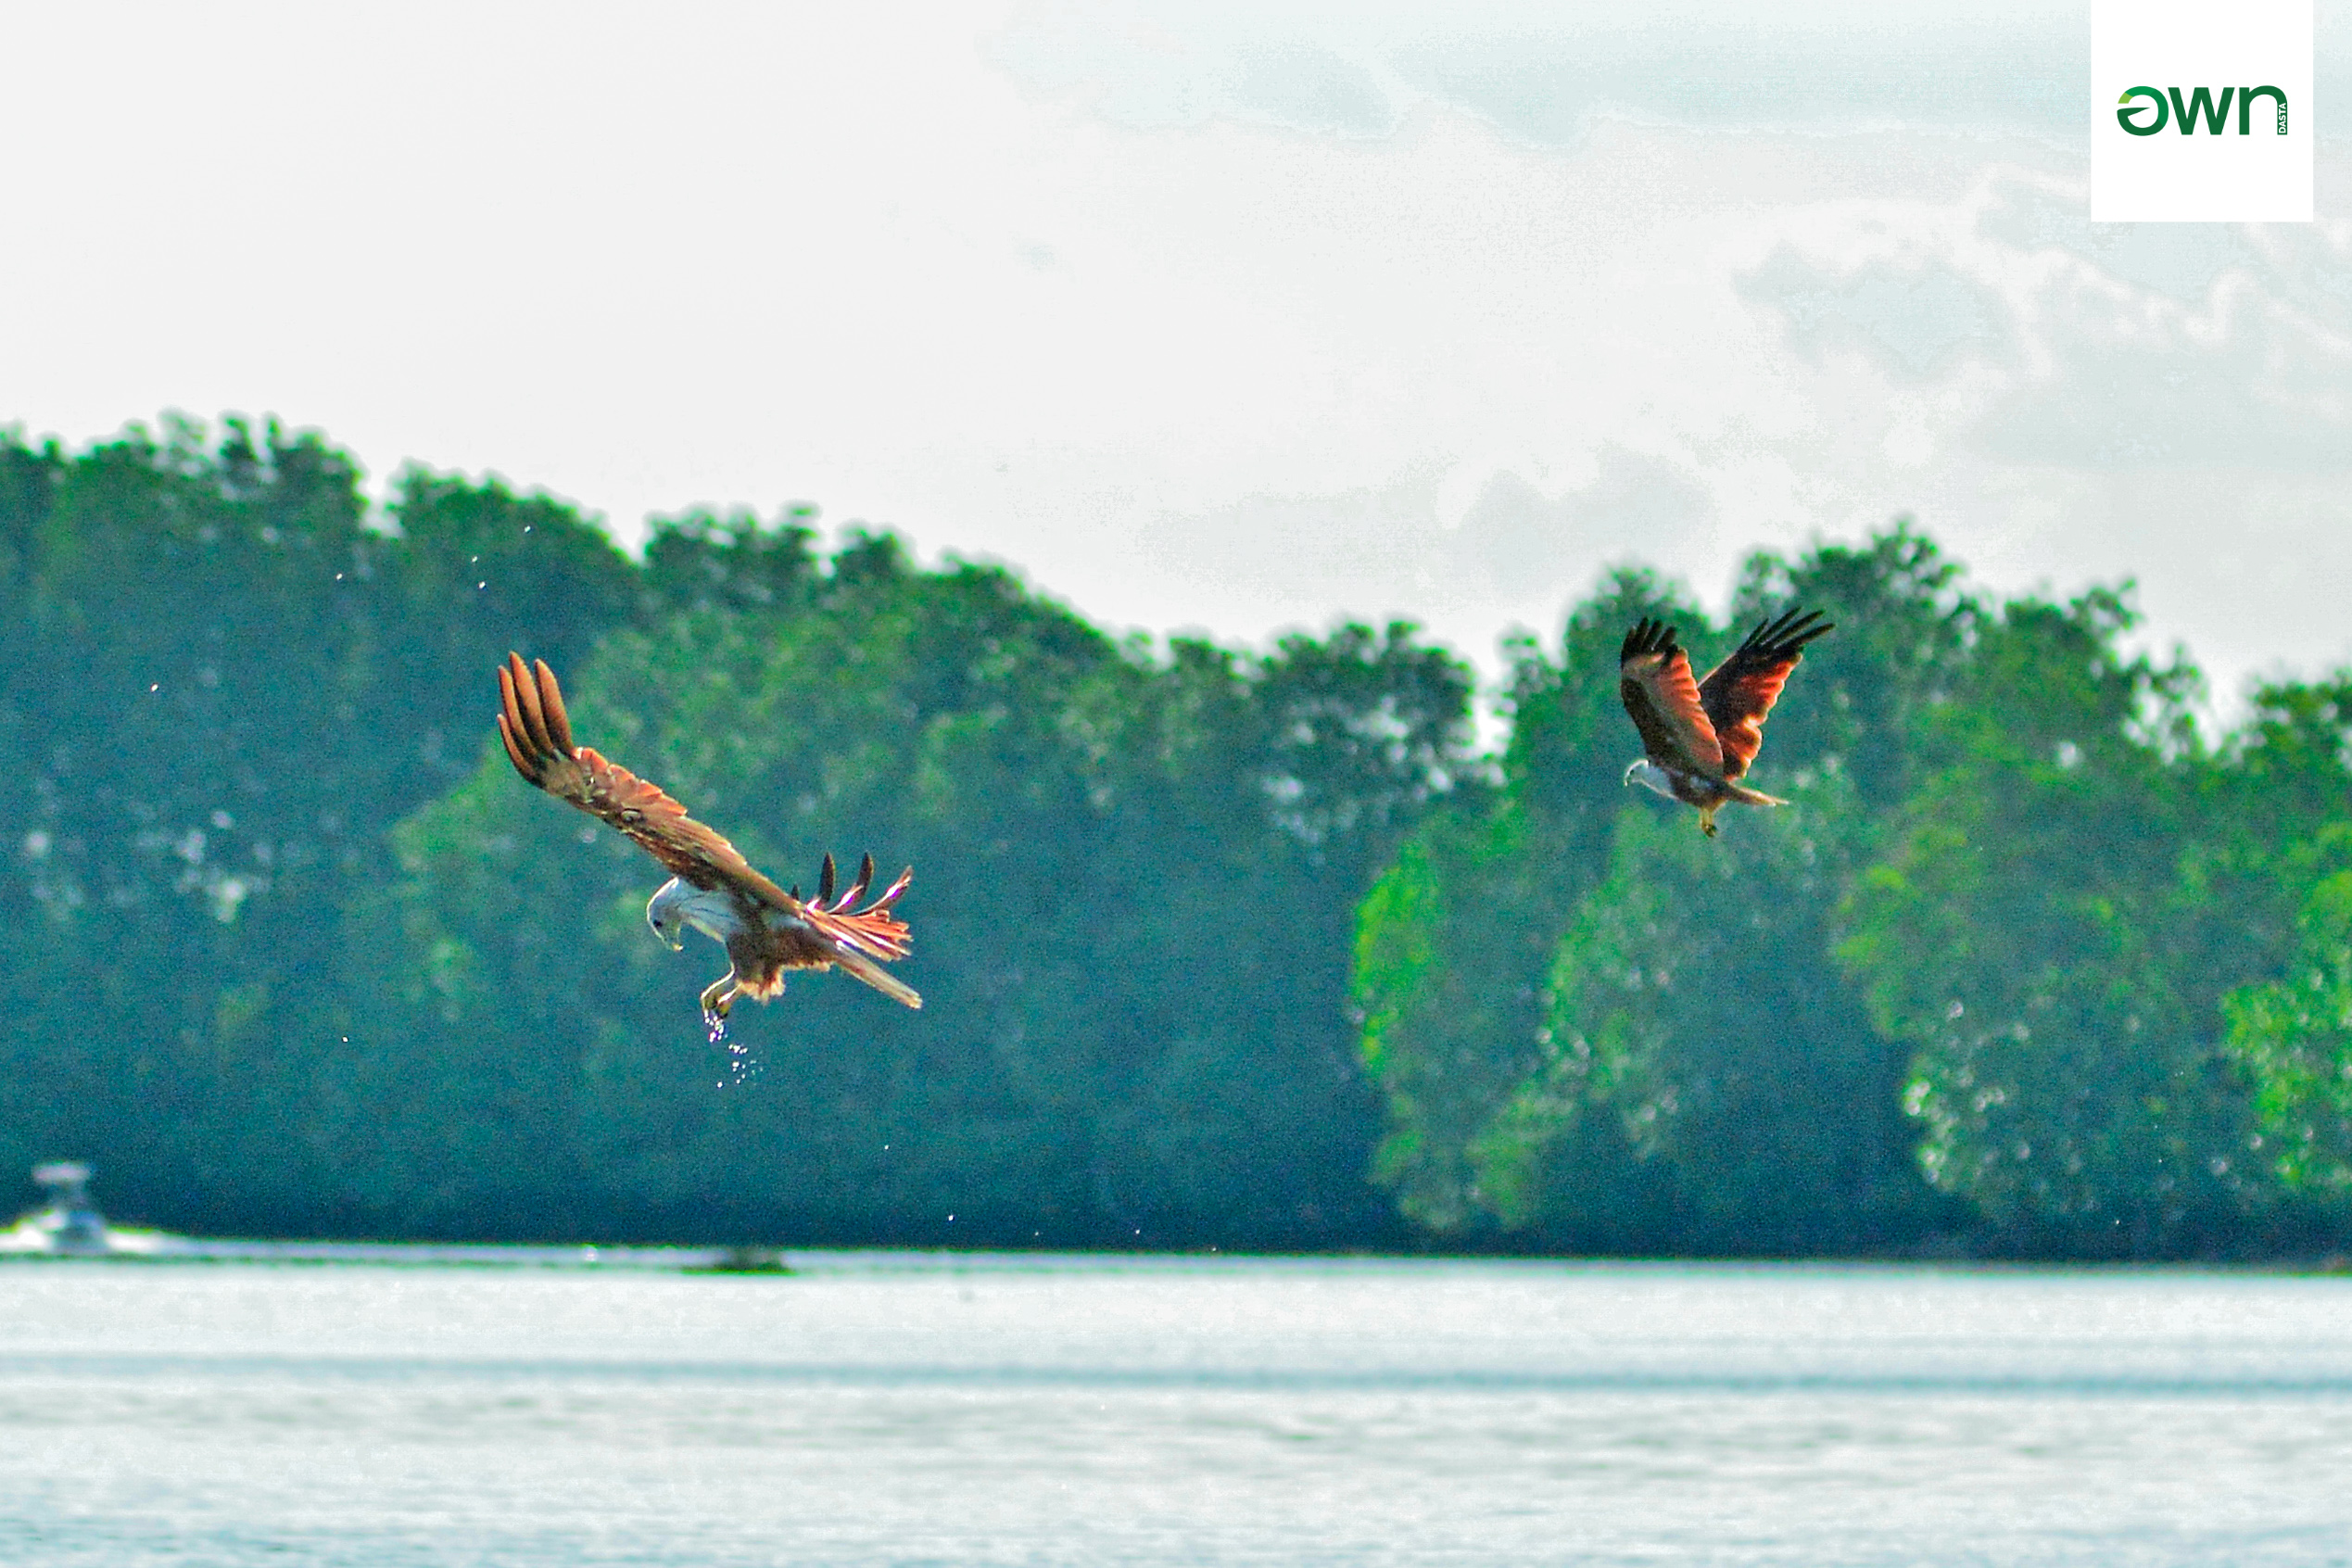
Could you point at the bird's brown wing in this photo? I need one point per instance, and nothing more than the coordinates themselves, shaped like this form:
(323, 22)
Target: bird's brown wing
(1738, 692)
(1653, 677)
(538, 740)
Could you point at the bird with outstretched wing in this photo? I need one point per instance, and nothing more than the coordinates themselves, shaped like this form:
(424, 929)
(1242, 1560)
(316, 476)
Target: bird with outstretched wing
(1699, 737)
(764, 929)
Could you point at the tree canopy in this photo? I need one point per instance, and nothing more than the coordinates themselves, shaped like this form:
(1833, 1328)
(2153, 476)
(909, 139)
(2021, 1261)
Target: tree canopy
(1229, 947)
(309, 958)
(2008, 976)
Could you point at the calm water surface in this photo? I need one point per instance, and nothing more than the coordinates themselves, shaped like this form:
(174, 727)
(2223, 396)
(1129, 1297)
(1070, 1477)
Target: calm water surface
(889, 1408)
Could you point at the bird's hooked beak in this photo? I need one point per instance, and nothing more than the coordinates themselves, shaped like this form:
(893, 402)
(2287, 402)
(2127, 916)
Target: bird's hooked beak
(1631, 768)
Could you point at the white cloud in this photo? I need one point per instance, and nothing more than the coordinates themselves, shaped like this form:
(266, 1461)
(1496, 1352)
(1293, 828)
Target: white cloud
(1546, 74)
(1237, 319)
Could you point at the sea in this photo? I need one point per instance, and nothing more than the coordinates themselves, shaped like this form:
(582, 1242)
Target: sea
(448, 1409)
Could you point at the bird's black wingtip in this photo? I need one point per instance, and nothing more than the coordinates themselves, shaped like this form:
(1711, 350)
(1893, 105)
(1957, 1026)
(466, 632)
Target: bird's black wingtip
(1788, 633)
(1649, 635)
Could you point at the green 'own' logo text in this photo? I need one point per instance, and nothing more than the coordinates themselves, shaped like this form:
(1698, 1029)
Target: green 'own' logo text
(2169, 107)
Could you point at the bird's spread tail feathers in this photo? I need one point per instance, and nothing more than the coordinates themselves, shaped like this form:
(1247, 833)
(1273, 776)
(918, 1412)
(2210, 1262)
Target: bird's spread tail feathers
(861, 936)
(851, 962)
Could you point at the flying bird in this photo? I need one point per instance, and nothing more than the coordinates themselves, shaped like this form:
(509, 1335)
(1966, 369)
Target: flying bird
(1699, 737)
(765, 929)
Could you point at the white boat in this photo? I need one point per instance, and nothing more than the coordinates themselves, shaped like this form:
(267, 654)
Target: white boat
(69, 1225)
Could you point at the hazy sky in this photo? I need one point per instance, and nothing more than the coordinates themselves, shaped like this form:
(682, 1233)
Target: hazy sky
(1234, 318)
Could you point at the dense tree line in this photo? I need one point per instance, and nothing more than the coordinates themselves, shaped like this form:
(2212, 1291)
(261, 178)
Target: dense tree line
(1219, 946)
(2033, 967)
(302, 955)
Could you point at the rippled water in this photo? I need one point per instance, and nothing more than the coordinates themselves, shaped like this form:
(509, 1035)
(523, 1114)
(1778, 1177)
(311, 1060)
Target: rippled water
(882, 1408)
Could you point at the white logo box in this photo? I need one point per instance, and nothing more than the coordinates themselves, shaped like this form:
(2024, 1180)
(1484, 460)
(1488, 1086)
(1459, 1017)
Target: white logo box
(2166, 176)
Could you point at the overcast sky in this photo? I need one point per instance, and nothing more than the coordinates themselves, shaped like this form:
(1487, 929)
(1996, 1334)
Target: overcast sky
(1226, 317)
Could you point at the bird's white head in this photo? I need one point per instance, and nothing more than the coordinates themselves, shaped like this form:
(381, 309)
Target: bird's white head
(1649, 775)
(665, 912)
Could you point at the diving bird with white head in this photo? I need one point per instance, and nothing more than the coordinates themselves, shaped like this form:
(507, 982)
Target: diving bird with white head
(712, 889)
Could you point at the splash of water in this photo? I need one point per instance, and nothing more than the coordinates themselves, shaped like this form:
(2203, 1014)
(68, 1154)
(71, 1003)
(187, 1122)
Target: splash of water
(742, 1066)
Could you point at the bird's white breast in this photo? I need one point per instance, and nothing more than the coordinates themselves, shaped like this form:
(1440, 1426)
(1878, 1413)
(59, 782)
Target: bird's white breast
(710, 912)
(1649, 775)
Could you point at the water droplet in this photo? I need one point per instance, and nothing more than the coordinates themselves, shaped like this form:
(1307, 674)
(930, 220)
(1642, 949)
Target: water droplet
(742, 1066)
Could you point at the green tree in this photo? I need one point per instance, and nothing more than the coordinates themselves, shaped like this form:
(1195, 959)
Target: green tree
(2293, 1037)
(1695, 1006)
(191, 647)
(1454, 939)
(42, 969)
(472, 571)
(1133, 880)
(2036, 931)
(1544, 1070)
(705, 561)
(225, 695)
(1199, 927)
(2285, 805)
